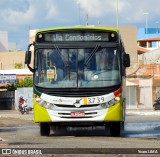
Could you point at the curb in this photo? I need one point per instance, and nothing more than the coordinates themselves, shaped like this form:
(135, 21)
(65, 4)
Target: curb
(143, 112)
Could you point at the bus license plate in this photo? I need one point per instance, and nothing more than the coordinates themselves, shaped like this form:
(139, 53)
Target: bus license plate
(77, 114)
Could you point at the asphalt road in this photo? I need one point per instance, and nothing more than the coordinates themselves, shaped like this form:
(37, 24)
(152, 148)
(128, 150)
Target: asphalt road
(19, 131)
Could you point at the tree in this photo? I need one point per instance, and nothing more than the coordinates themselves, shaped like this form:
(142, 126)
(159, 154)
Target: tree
(11, 87)
(28, 82)
(18, 66)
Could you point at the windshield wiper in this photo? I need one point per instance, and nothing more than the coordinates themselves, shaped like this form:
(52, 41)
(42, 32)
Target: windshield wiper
(91, 55)
(66, 64)
(59, 52)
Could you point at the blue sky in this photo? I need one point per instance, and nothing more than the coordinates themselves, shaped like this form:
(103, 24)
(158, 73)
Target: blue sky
(18, 16)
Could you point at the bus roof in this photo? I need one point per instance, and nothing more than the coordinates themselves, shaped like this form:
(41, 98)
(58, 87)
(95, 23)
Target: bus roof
(79, 28)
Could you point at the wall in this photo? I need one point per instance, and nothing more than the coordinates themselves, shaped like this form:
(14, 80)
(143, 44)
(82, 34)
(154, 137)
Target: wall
(129, 37)
(26, 93)
(145, 89)
(131, 97)
(8, 59)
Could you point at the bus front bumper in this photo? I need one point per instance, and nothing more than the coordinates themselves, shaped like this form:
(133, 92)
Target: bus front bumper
(114, 113)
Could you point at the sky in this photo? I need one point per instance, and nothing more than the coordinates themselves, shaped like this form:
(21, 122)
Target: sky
(19, 16)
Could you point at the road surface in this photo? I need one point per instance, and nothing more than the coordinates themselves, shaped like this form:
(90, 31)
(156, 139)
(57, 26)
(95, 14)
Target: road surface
(141, 131)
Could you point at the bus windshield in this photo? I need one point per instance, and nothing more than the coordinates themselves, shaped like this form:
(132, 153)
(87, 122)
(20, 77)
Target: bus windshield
(77, 67)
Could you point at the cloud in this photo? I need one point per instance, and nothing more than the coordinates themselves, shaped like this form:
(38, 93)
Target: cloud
(93, 8)
(20, 15)
(40, 12)
(129, 11)
(15, 17)
(16, 14)
(98, 8)
(51, 9)
(26, 12)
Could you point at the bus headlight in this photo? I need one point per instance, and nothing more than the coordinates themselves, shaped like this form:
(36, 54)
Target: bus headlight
(46, 105)
(113, 101)
(43, 103)
(37, 98)
(110, 103)
(50, 106)
(117, 99)
(104, 105)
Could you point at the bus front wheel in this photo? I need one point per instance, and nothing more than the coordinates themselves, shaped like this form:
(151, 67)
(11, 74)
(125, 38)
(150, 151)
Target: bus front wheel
(44, 129)
(115, 129)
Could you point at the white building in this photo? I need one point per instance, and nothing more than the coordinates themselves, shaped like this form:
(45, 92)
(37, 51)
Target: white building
(4, 44)
(3, 41)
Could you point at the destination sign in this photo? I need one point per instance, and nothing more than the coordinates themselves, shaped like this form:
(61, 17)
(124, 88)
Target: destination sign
(78, 36)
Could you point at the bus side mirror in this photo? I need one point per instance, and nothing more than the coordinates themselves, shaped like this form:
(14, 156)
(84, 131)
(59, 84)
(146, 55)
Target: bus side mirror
(28, 60)
(126, 60)
(28, 57)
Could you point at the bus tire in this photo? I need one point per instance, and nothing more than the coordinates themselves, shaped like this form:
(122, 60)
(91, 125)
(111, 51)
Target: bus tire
(59, 129)
(44, 129)
(115, 129)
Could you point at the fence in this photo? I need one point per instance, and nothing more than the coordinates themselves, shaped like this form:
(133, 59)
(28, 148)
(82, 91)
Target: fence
(7, 100)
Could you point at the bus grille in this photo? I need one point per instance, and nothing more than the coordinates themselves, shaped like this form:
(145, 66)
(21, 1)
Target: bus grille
(72, 106)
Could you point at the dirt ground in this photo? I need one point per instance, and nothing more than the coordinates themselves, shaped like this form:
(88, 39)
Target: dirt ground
(9, 122)
(15, 118)
(25, 134)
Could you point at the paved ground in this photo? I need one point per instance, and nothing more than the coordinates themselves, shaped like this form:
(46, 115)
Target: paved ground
(19, 130)
(18, 115)
(142, 112)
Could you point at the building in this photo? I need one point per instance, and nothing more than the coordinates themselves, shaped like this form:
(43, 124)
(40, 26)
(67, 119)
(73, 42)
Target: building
(150, 33)
(149, 43)
(4, 43)
(9, 59)
(129, 37)
(145, 78)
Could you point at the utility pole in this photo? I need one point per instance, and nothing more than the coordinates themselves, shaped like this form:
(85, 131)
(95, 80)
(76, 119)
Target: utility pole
(79, 13)
(86, 19)
(117, 14)
(146, 14)
(157, 28)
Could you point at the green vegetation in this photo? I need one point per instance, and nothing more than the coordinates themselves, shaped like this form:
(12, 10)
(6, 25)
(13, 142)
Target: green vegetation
(18, 66)
(26, 82)
(11, 87)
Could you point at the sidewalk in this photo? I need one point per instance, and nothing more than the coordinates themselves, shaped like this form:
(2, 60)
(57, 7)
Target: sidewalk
(16, 114)
(142, 112)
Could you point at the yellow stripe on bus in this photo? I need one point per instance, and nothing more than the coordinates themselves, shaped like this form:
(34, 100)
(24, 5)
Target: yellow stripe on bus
(85, 101)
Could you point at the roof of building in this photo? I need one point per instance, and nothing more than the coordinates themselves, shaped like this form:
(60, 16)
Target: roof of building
(149, 39)
(128, 83)
(152, 57)
(147, 71)
(141, 50)
(17, 72)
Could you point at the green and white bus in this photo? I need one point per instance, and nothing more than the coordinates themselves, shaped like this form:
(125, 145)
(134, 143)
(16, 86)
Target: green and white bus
(79, 78)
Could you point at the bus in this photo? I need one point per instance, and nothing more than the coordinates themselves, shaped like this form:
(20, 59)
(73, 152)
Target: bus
(79, 78)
